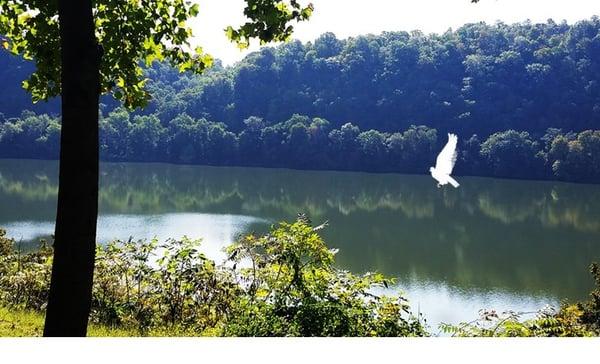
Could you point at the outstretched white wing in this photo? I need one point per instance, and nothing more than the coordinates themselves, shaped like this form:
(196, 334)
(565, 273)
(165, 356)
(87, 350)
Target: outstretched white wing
(447, 157)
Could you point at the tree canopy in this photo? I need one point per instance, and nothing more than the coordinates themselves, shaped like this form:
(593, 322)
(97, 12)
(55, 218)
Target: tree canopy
(129, 32)
(478, 79)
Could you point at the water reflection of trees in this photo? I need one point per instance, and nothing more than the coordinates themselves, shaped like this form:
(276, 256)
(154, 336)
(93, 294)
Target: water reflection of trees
(519, 235)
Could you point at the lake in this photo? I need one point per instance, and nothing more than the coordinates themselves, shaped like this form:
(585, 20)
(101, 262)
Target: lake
(501, 244)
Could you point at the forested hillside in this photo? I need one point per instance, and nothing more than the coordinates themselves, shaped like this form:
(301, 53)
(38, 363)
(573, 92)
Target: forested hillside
(524, 100)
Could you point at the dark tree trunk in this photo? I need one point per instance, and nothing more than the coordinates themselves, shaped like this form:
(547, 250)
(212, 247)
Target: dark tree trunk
(75, 233)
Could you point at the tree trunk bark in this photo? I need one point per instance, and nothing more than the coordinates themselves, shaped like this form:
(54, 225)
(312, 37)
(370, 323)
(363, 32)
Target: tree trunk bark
(77, 211)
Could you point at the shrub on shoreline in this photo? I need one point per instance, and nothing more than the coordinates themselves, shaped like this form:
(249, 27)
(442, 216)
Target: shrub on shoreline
(281, 284)
(284, 283)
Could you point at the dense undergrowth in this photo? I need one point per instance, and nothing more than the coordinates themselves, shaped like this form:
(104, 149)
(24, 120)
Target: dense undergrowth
(578, 319)
(282, 284)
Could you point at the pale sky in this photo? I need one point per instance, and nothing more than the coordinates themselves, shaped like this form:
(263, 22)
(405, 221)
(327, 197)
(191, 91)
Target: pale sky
(348, 18)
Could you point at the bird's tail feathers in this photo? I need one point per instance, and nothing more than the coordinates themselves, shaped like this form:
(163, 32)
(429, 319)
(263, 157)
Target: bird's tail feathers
(453, 182)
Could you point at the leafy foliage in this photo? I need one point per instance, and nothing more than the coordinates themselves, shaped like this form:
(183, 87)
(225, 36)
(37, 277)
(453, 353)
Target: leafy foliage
(523, 98)
(281, 284)
(313, 143)
(580, 319)
(24, 277)
(292, 288)
(144, 284)
(502, 151)
(478, 79)
(268, 21)
(129, 32)
(590, 310)
(6, 244)
(545, 323)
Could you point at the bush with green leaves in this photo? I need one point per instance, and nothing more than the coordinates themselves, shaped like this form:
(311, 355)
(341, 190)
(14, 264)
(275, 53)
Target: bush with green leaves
(579, 319)
(281, 284)
(590, 310)
(24, 277)
(547, 322)
(6, 244)
(144, 284)
(284, 283)
(292, 288)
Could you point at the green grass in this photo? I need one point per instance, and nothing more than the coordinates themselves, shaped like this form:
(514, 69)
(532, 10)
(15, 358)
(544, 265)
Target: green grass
(20, 323)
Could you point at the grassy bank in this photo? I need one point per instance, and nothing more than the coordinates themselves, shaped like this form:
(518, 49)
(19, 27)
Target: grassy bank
(29, 323)
(22, 323)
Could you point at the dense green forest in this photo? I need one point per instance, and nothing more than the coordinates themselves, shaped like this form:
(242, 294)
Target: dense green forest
(524, 100)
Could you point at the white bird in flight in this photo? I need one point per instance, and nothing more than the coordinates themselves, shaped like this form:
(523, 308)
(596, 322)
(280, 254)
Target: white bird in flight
(445, 163)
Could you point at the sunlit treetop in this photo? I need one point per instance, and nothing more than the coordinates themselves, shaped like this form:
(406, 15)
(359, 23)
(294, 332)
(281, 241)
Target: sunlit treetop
(133, 34)
(269, 21)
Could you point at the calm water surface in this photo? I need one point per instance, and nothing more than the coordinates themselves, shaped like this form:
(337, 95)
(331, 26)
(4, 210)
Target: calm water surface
(490, 244)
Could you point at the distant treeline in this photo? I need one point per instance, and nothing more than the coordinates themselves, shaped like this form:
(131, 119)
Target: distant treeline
(478, 79)
(521, 98)
(313, 143)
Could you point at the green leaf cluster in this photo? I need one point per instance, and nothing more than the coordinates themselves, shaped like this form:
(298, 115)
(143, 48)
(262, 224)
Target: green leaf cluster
(281, 284)
(291, 287)
(268, 21)
(132, 33)
(24, 277)
(579, 319)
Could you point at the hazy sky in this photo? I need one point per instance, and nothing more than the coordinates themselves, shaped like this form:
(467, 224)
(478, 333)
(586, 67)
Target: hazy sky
(354, 17)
